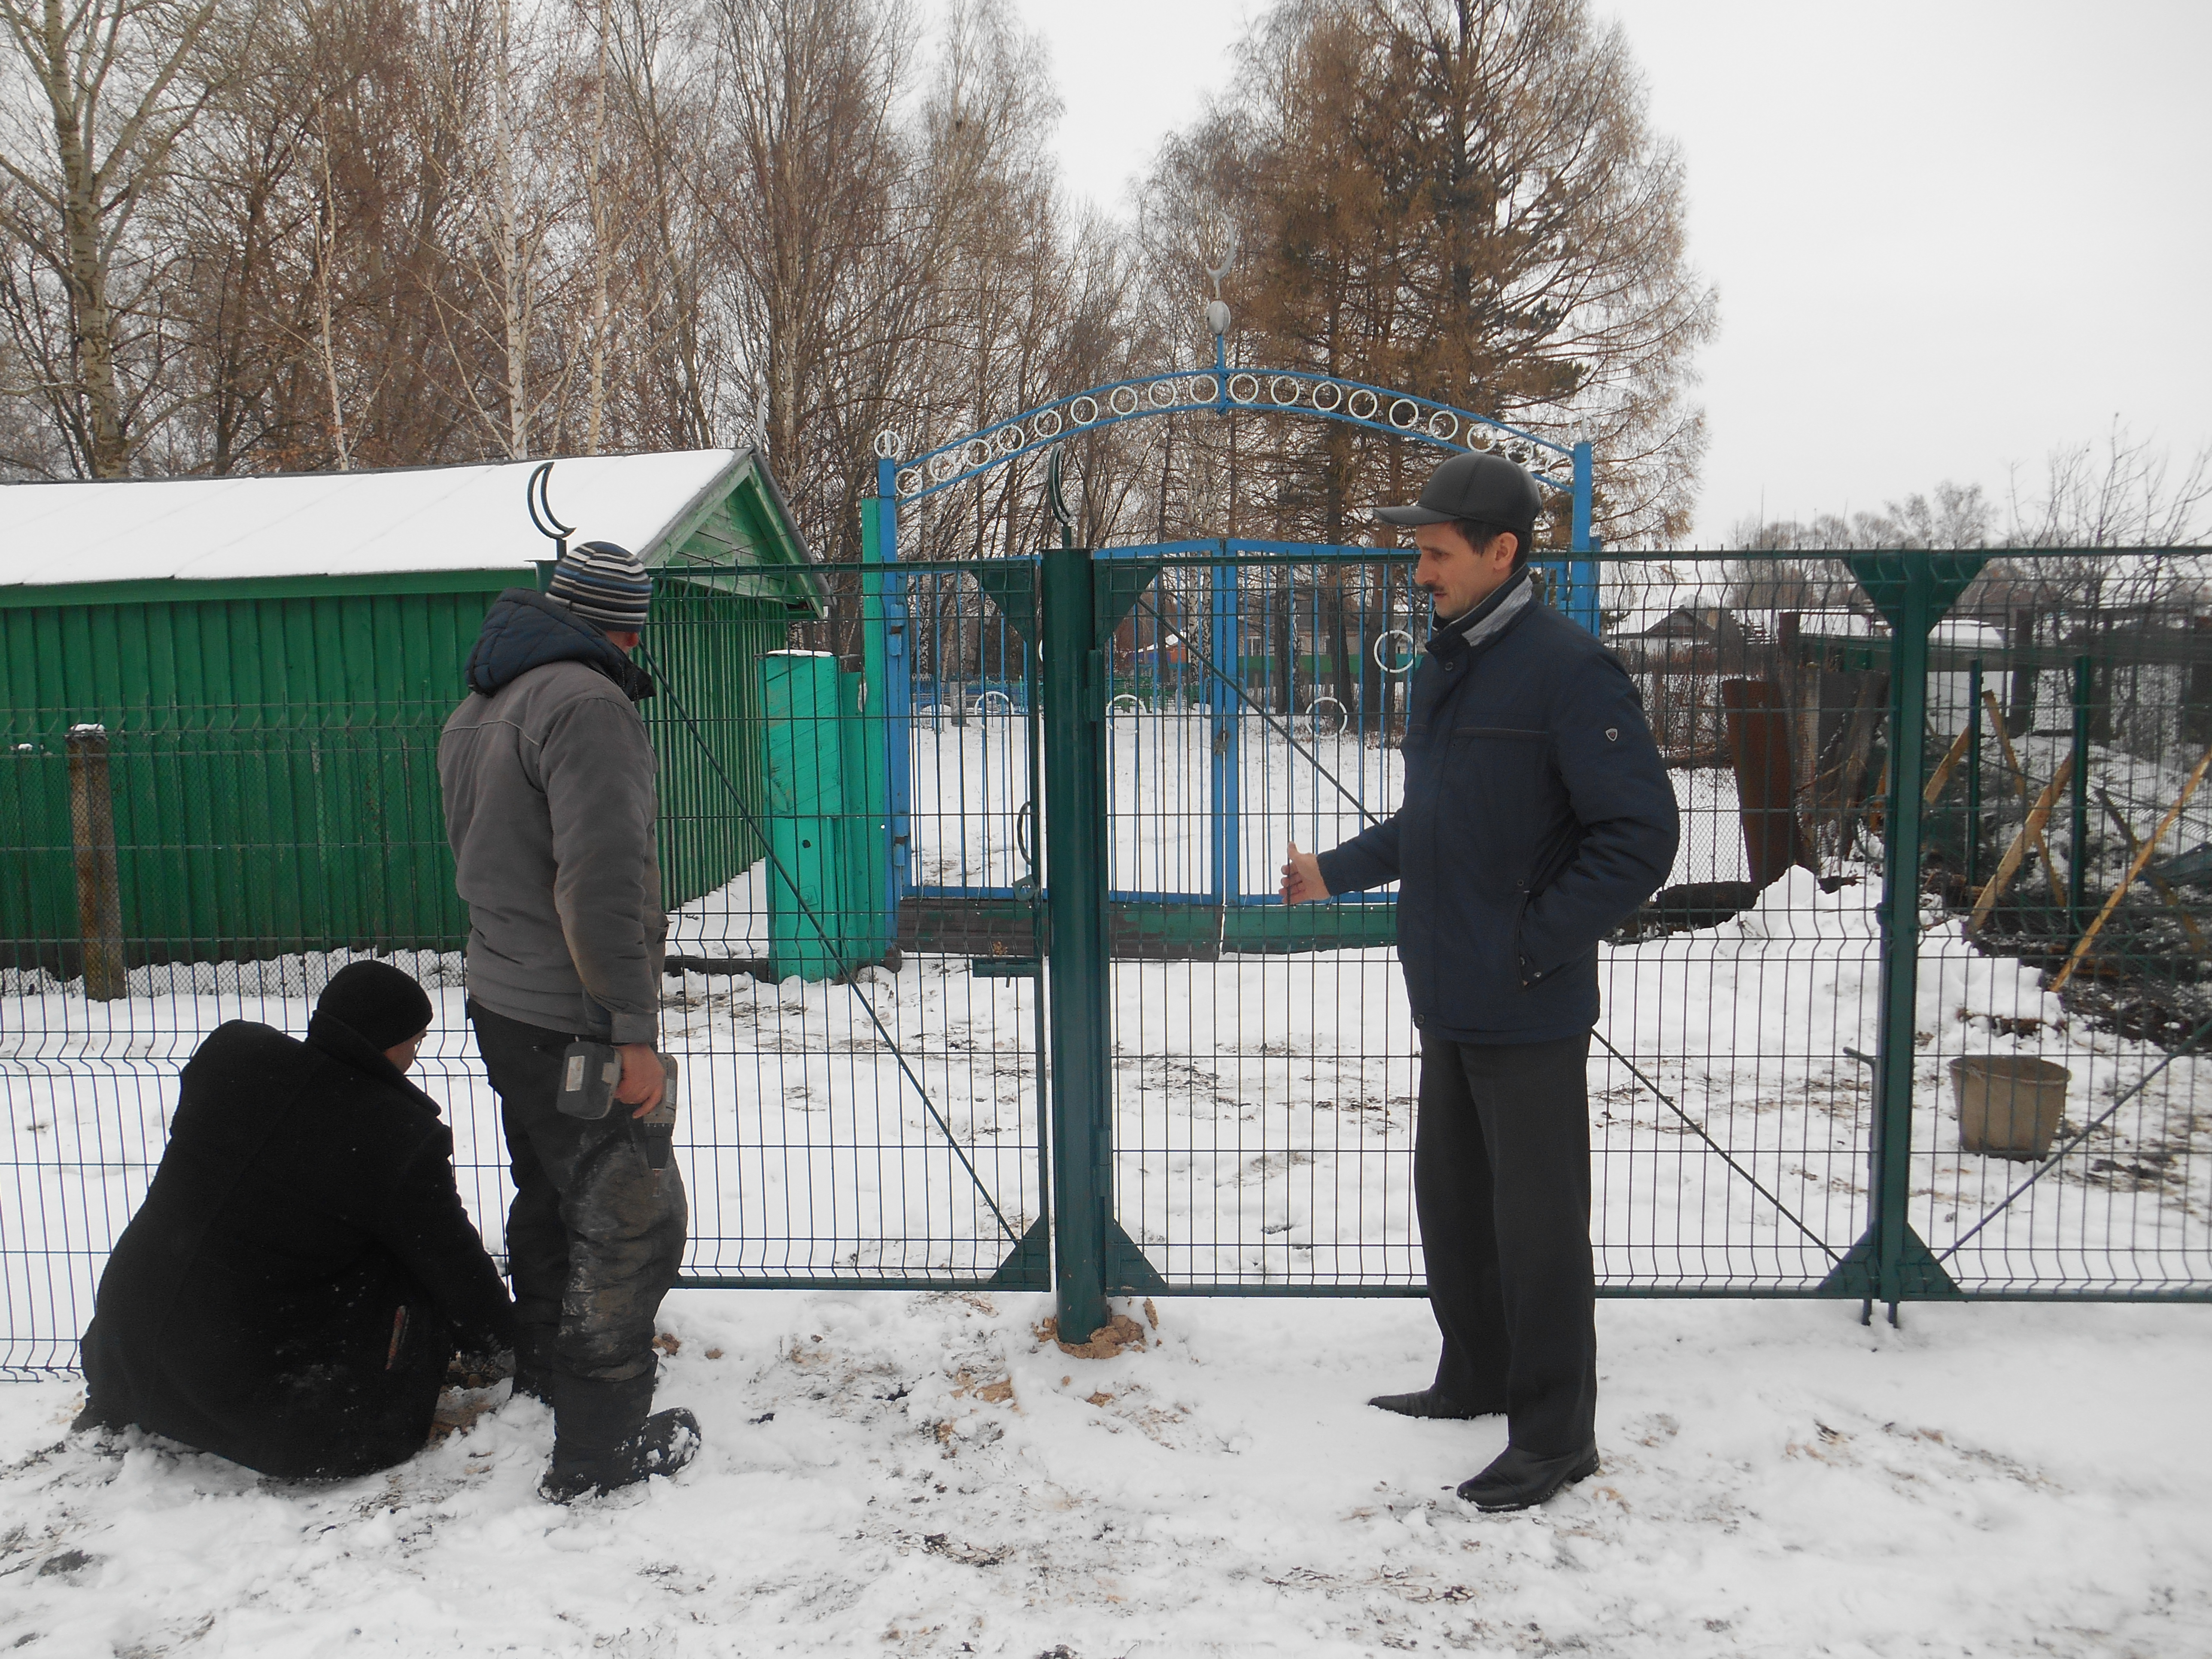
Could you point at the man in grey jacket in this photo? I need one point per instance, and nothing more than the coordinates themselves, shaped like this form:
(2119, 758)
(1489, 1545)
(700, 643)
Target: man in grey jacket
(550, 804)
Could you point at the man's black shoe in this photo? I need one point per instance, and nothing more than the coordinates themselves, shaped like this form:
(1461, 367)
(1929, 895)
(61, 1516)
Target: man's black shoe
(1521, 1480)
(663, 1444)
(1430, 1403)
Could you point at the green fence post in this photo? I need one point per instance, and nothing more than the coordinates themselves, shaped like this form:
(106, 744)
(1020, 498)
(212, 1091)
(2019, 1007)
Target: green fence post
(1076, 981)
(878, 794)
(1891, 1262)
(1892, 1149)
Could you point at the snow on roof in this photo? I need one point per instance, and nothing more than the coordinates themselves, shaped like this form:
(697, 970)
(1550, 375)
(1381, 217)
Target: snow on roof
(322, 524)
(1969, 632)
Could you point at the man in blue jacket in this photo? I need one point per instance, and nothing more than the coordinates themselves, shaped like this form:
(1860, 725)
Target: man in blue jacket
(1537, 816)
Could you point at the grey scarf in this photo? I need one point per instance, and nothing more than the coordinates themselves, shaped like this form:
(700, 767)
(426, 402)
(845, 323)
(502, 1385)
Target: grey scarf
(1500, 608)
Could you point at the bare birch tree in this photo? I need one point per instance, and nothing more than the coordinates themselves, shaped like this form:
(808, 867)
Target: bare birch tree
(117, 84)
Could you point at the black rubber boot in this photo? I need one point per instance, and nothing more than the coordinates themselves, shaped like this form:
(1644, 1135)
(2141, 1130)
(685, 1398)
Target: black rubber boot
(603, 1438)
(663, 1443)
(533, 1369)
(1428, 1402)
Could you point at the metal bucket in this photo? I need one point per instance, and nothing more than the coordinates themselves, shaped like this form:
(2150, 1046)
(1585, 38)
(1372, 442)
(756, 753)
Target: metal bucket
(2009, 1104)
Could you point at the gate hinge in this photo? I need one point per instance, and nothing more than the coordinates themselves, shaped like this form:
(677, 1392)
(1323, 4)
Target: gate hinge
(1094, 685)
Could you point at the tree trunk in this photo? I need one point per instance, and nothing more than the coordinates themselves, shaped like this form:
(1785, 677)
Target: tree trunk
(108, 444)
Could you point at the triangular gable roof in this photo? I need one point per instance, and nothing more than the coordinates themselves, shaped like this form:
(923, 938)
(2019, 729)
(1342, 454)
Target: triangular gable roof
(1683, 622)
(715, 514)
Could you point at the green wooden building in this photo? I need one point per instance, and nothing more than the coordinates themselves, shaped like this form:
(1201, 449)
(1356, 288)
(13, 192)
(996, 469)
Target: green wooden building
(266, 663)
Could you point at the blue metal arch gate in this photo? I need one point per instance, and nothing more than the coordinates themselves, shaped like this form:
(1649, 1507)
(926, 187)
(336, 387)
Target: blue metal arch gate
(1563, 469)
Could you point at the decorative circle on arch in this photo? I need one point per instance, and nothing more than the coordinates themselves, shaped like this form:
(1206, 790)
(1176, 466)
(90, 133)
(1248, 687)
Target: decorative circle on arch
(1291, 391)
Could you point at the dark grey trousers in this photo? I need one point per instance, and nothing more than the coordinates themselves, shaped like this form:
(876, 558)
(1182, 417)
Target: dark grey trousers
(1502, 1184)
(595, 1236)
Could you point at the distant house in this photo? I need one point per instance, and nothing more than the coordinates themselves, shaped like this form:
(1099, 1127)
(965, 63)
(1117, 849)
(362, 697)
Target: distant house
(1700, 624)
(268, 661)
(1689, 639)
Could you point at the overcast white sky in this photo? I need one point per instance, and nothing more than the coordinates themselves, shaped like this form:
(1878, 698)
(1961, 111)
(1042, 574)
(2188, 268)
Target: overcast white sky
(1947, 236)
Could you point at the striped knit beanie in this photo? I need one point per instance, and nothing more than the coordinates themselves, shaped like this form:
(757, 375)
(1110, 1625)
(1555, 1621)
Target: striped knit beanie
(604, 584)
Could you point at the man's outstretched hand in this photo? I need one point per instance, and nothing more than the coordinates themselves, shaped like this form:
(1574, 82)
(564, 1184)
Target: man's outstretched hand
(1302, 882)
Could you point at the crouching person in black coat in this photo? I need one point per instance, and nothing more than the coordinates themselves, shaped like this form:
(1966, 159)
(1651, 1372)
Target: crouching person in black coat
(301, 1272)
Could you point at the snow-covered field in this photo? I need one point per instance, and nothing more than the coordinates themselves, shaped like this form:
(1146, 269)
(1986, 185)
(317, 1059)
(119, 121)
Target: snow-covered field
(919, 1474)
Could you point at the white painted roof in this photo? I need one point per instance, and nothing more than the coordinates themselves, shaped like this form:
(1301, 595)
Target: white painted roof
(319, 523)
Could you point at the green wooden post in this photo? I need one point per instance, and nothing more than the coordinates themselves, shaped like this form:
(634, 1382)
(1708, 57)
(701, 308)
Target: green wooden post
(1076, 987)
(805, 767)
(2078, 856)
(92, 828)
(1974, 776)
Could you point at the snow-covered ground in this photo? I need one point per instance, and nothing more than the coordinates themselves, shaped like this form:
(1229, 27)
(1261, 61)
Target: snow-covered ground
(920, 1475)
(1290, 782)
(910, 1474)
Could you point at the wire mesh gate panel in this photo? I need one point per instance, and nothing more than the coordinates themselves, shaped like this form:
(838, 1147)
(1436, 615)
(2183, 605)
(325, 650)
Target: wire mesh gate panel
(862, 1049)
(1746, 1140)
(1264, 1064)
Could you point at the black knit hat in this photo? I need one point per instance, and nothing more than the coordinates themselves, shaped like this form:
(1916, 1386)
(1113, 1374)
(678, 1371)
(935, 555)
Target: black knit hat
(606, 583)
(380, 1004)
